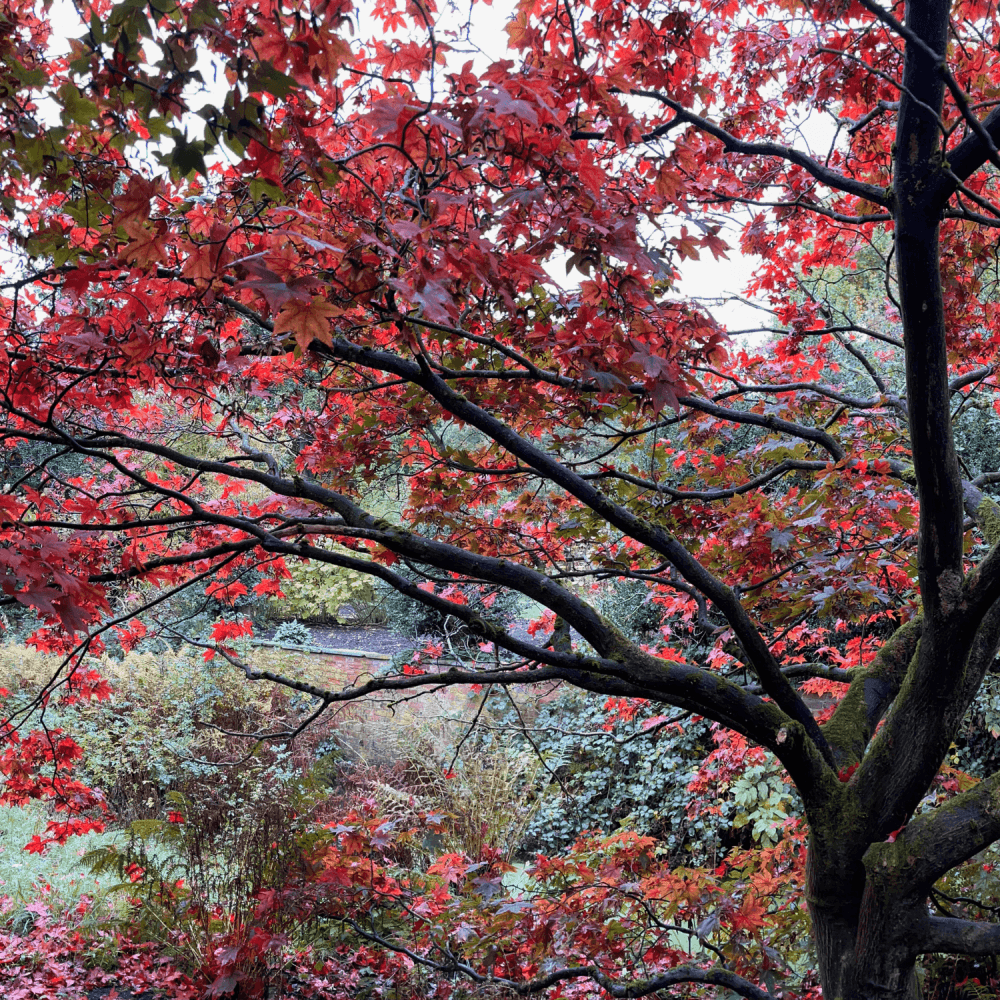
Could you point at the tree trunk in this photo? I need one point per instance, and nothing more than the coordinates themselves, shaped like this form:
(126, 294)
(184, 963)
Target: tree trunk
(864, 926)
(862, 966)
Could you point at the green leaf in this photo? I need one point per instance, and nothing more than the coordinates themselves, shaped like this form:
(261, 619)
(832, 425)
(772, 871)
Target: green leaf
(186, 156)
(259, 188)
(76, 108)
(264, 77)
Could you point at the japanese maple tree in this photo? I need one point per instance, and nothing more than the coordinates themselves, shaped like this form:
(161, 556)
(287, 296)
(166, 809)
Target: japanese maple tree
(258, 265)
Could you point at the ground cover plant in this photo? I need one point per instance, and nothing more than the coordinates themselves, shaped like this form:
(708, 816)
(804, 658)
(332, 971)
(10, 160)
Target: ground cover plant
(314, 315)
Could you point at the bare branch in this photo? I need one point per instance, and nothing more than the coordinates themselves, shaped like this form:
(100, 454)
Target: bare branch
(637, 988)
(822, 173)
(953, 936)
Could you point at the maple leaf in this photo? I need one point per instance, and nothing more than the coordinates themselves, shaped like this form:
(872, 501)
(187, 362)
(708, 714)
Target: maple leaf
(330, 53)
(307, 320)
(231, 629)
(77, 282)
(36, 845)
(592, 175)
(275, 290)
(268, 588)
(132, 206)
(202, 260)
(139, 347)
(389, 114)
(226, 591)
(504, 104)
(147, 245)
(434, 298)
(42, 597)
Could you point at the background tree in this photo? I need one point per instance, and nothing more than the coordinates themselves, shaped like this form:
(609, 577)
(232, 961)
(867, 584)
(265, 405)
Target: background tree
(377, 221)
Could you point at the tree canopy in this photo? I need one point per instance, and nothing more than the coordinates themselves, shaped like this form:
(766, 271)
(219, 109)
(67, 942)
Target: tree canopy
(265, 264)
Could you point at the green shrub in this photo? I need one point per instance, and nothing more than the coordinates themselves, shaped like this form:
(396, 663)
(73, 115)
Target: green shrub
(761, 802)
(629, 604)
(599, 777)
(293, 634)
(24, 669)
(155, 733)
(977, 438)
(601, 774)
(162, 747)
(980, 738)
(318, 591)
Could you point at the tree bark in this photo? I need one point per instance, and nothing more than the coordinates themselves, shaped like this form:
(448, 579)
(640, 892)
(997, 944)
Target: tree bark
(861, 953)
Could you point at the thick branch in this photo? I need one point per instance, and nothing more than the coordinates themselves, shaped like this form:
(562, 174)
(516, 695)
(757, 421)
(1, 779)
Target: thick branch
(935, 842)
(856, 402)
(960, 937)
(976, 375)
(659, 540)
(871, 693)
(972, 152)
(922, 301)
(678, 684)
(637, 988)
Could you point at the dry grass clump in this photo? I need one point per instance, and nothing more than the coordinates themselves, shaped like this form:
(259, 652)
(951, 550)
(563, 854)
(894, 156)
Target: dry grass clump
(424, 758)
(24, 667)
(417, 756)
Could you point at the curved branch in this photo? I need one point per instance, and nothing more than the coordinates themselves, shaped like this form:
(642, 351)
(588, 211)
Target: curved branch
(803, 204)
(822, 173)
(783, 467)
(972, 152)
(807, 670)
(638, 675)
(857, 402)
(654, 536)
(579, 614)
(772, 423)
(953, 936)
(976, 375)
(686, 687)
(637, 988)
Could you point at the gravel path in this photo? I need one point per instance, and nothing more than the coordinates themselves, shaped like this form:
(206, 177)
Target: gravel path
(376, 638)
(368, 638)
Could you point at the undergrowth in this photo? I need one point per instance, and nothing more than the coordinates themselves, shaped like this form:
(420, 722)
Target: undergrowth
(218, 864)
(58, 875)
